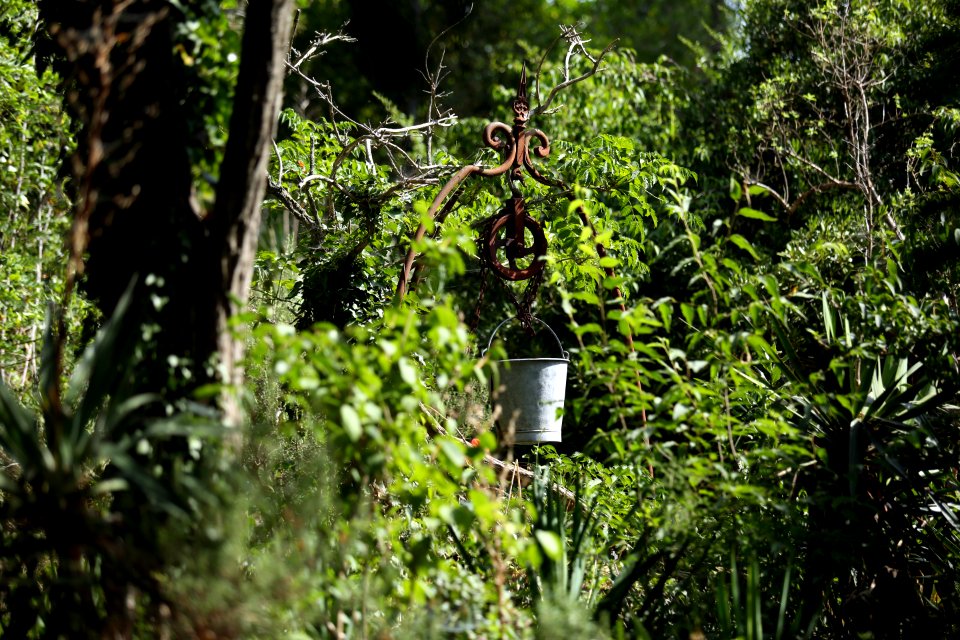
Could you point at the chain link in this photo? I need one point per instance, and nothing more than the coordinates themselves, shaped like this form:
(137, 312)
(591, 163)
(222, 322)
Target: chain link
(525, 302)
(484, 271)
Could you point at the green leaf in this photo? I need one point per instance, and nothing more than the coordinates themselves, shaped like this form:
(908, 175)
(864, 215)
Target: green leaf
(453, 451)
(350, 421)
(747, 212)
(736, 191)
(744, 244)
(609, 262)
(408, 372)
(551, 544)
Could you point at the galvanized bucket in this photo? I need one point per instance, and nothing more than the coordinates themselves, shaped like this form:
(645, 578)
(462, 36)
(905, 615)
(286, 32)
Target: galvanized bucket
(528, 404)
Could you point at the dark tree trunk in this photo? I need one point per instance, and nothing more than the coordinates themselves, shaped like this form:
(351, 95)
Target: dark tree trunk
(235, 221)
(124, 84)
(132, 176)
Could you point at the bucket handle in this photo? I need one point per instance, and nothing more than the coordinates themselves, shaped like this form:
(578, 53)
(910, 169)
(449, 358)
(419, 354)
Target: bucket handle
(565, 354)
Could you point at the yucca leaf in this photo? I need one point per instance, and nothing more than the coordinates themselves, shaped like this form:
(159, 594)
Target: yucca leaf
(929, 404)
(584, 523)
(182, 426)
(99, 371)
(877, 398)
(636, 569)
(132, 472)
(118, 412)
(893, 371)
(177, 426)
(198, 490)
(868, 374)
(577, 575)
(723, 605)
(894, 464)
(754, 599)
(20, 434)
(792, 360)
(15, 422)
(111, 485)
(829, 321)
(784, 594)
(735, 589)
(668, 572)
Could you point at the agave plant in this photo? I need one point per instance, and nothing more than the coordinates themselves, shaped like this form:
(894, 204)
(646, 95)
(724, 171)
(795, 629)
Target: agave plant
(883, 520)
(564, 564)
(77, 483)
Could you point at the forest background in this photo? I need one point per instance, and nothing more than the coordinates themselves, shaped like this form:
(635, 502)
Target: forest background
(218, 421)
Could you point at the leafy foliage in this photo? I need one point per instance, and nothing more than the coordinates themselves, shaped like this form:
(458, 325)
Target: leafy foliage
(85, 512)
(750, 263)
(34, 137)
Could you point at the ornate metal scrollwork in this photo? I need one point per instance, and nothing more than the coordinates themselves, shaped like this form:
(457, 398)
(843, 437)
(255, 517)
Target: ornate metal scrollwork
(508, 250)
(507, 238)
(514, 142)
(513, 244)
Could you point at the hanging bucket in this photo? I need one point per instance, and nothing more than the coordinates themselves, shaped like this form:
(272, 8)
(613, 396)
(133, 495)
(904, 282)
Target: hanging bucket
(529, 402)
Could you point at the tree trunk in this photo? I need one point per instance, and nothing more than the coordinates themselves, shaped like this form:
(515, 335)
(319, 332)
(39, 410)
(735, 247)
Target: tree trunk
(133, 178)
(132, 174)
(125, 86)
(235, 221)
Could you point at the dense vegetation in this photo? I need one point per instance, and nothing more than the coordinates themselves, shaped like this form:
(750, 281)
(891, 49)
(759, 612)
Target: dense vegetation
(218, 420)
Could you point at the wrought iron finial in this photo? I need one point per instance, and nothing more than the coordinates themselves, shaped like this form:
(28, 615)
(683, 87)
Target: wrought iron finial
(521, 104)
(514, 142)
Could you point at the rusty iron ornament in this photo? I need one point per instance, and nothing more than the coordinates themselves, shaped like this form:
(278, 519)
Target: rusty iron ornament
(506, 237)
(514, 142)
(507, 234)
(511, 227)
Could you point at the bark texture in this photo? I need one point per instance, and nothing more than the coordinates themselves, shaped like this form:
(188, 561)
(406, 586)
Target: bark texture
(126, 90)
(235, 221)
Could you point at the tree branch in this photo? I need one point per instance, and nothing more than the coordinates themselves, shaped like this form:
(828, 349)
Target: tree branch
(575, 43)
(818, 189)
(288, 201)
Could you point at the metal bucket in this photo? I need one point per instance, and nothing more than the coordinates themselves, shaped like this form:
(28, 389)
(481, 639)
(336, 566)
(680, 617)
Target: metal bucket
(528, 405)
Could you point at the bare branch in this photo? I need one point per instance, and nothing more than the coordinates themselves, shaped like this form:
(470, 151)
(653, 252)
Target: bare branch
(575, 43)
(322, 40)
(434, 78)
(411, 173)
(810, 164)
(773, 192)
(818, 189)
(568, 81)
(313, 177)
(543, 58)
(289, 202)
